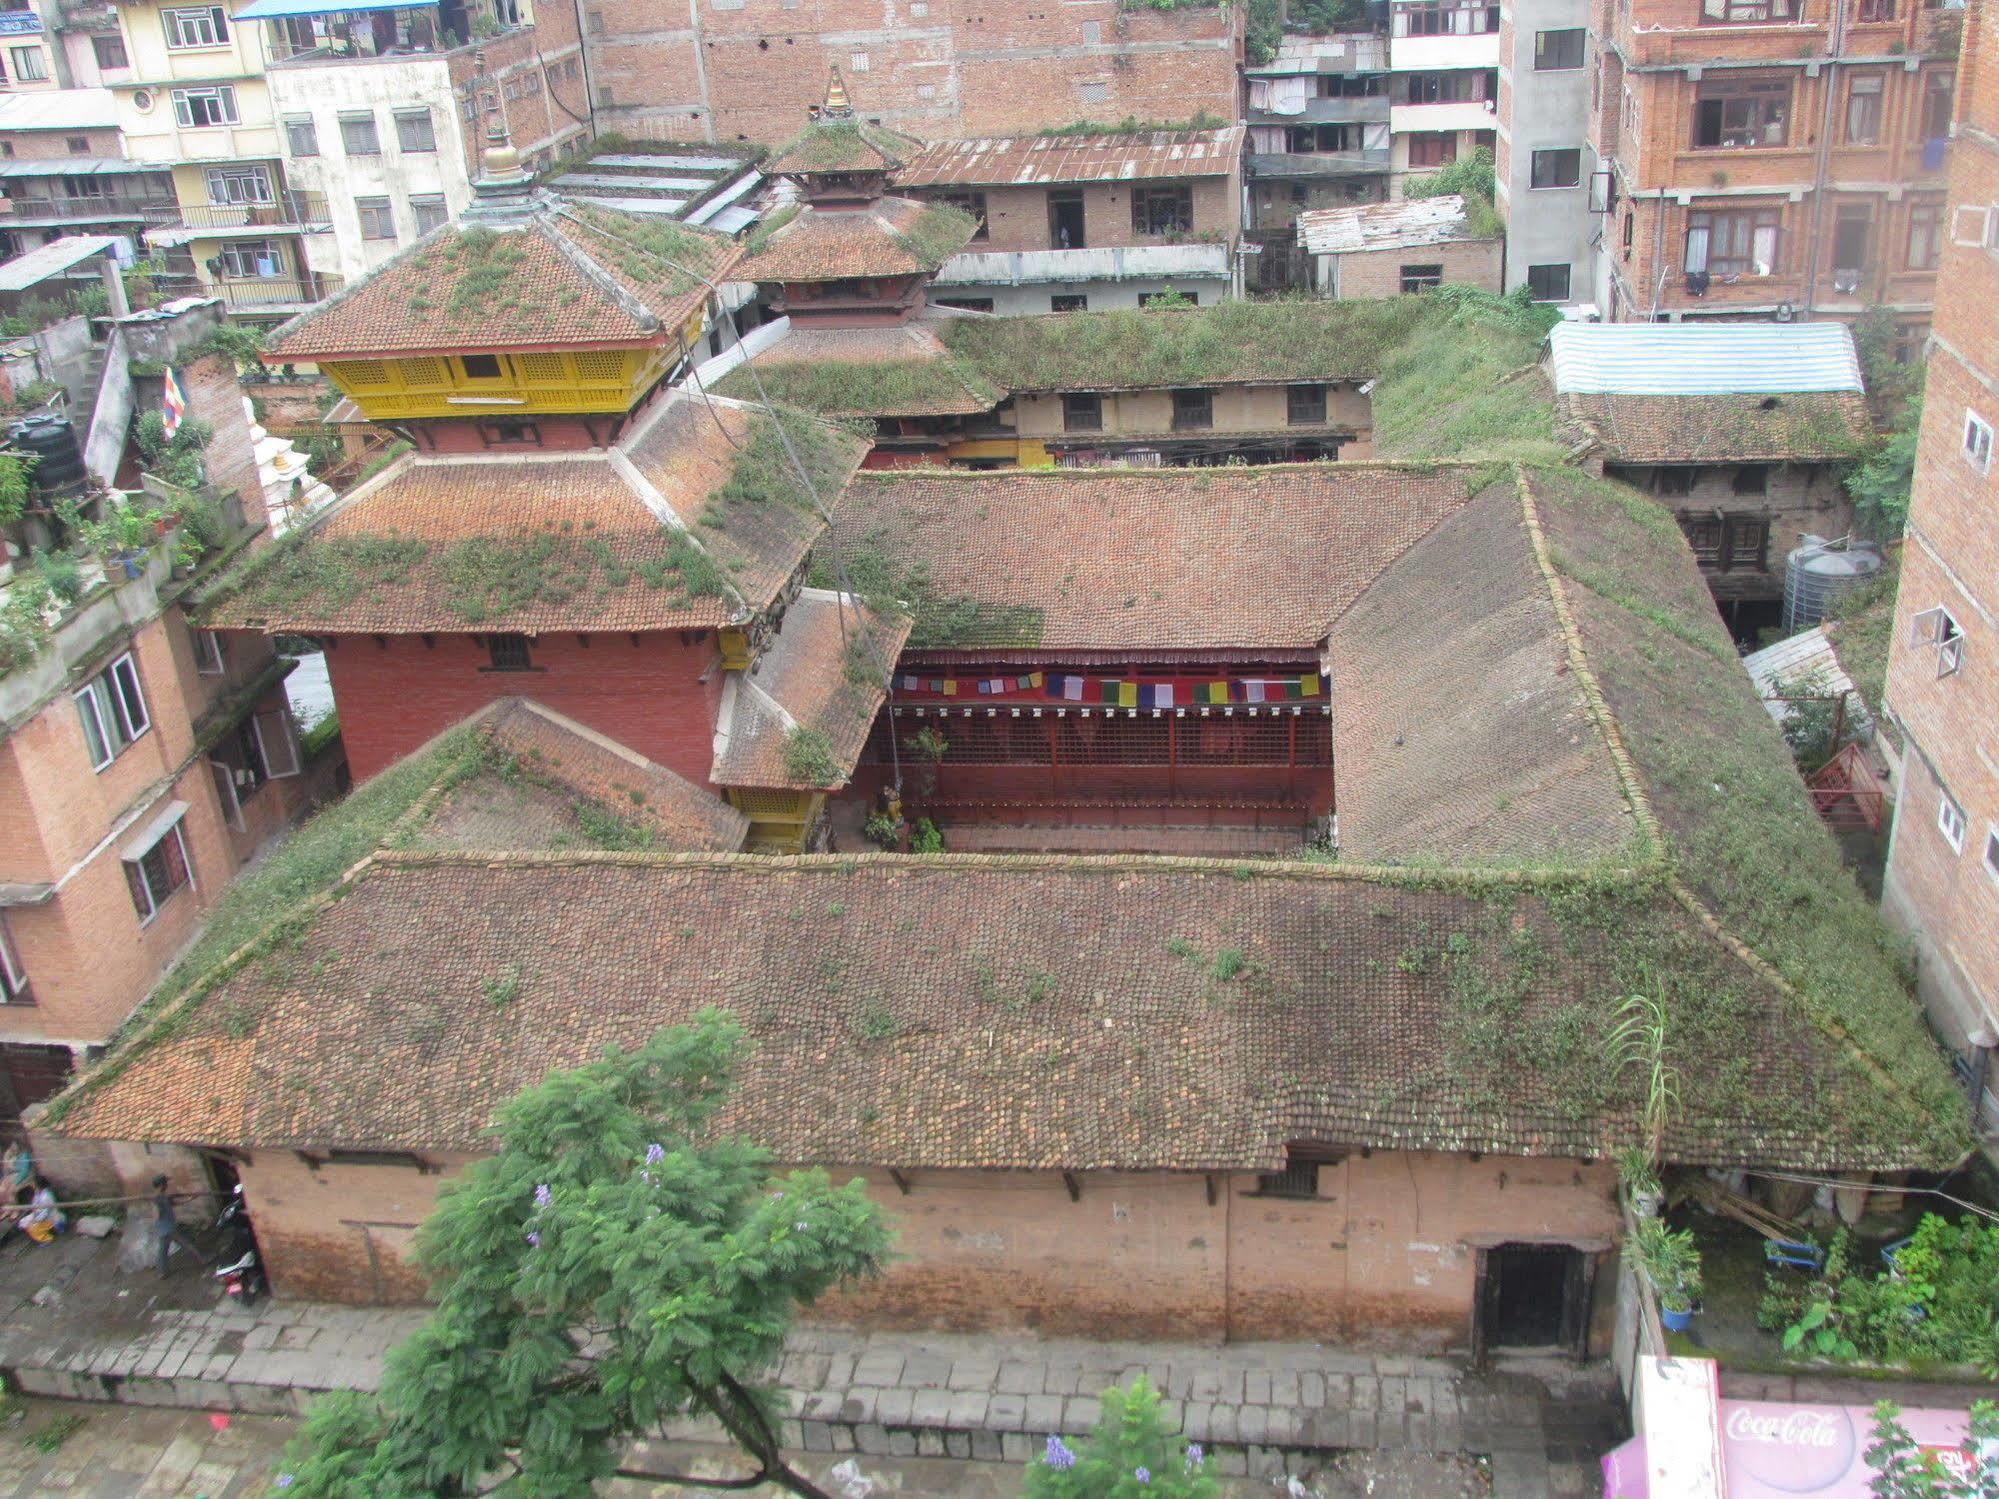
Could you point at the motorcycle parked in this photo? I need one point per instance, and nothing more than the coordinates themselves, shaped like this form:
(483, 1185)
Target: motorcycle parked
(241, 1272)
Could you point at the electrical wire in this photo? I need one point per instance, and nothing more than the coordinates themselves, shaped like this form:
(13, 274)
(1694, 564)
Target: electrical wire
(1828, 1181)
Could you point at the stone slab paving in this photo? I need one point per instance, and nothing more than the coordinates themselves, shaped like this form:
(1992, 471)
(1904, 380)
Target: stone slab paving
(125, 1452)
(73, 1326)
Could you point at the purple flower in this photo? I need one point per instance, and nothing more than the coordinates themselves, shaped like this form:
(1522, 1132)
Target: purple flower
(283, 1481)
(542, 1195)
(1058, 1456)
(655, 1154)
(534, 1241)
(1143, 1475)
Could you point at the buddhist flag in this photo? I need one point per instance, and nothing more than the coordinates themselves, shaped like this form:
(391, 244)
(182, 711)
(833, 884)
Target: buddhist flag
(1253, 691)
(950, 686)
(1309, 687)
(1159, 695)
(1127, 694)
(1214, 692)
(1072, 689)
(1033, 679)
(174, 403)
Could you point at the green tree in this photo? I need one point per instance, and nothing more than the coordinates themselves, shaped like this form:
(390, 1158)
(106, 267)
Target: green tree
(1902, 1470)
(1880, 482)
(1130, 1455)
(612, 1266)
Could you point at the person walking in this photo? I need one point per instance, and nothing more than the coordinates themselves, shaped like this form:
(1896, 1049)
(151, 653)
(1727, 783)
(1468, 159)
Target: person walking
(166, 1226)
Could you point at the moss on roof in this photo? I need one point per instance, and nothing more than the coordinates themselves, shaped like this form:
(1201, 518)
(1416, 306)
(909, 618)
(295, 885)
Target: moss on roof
(1286, 339)
(870, 387)
(847, 145)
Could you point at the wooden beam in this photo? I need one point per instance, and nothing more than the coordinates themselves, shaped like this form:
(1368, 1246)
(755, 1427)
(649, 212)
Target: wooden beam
(1213, 1191)
(901, 1181)
(1075, 1187)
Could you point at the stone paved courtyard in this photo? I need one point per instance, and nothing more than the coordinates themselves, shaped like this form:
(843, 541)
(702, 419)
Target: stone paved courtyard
(74, 1325)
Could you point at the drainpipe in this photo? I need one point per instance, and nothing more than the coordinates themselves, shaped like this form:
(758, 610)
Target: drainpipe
(1829, 80)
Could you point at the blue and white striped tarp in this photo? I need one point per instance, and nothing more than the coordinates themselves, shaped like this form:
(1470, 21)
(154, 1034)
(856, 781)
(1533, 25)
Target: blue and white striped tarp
(1700, 359)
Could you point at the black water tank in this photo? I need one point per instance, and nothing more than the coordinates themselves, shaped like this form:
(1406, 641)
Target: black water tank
(52, 441)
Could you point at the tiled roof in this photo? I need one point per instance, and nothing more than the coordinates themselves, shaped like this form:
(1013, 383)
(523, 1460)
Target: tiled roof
(979, 1013)
(1746, 428)
(567, 275)
(904, 370)
(843, 145)
(1703, 358)
(549, 782)
(889, 237)
(1462, 733)
(1385, 226)
(811, 678)
(1150, 559)
(1037, 159)
(585, 541)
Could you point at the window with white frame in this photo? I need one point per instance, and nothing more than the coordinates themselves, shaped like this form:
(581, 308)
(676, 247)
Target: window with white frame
(113, 711)
(29, 64)
(247, 259)
(414, 130)
(155, 873)
(1992, 851)
(1937, 629)
(207, 652)
(239, 184)
(198, 107)
(200, 26)
(14, 988)
(1950, 821)
(1977, 442)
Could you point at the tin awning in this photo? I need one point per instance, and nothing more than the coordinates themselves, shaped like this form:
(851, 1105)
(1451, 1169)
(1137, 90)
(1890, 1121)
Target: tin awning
(52, 259)
(278, 10)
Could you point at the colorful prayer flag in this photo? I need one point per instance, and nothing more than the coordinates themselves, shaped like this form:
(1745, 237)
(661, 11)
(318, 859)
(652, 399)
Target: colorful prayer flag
(1072, 689)
(174, 403)
(1309, 687)
(1215, 692)
(1252, 691)
(1034, 679)
(950, 687)
(1127, 694)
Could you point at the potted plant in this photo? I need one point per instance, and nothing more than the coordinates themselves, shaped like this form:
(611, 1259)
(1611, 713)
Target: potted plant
(1641, 1181)
(121, 537)
(1672, 1263)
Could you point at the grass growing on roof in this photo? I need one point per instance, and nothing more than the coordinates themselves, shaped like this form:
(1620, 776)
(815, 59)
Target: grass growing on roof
(1306, 338)
(865, 387)
(651, 251)
(328, 572)
(1740, 829)
(306, 862)
(1862, 627)
(481, 265)
(765, 474)
(937, 233)
(1462, 383)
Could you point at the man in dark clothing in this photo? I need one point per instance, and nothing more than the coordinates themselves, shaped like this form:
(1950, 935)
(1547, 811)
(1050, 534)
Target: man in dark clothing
(166, 1227)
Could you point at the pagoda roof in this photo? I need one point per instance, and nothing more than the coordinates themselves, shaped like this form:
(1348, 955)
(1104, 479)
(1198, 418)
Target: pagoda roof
(888, 237)
(843, 145)
(902, 370)
(693, 521)
(559, 275)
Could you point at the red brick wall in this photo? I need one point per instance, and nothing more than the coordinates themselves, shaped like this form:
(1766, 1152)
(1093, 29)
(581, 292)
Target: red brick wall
(650, 697)
(1950, 898)
(1378, 273)
(1017, 217)
(1386, 1255)
(938, 68)
(53, 145)
(213, 396)
(1659, 155)
(528, 74)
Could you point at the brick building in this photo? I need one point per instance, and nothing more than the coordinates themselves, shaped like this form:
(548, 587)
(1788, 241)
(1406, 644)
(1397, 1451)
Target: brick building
(1317, 118)
(64, 171)
(1771, 157)
(1943, 673)
(143, 761)
(1743, 430)
(1358, 1100)
(1073, 222)
(747, 70)
(1399, 249)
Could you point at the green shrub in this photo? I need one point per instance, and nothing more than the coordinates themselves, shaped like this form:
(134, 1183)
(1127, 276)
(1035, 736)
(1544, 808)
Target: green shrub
(1130, 1455)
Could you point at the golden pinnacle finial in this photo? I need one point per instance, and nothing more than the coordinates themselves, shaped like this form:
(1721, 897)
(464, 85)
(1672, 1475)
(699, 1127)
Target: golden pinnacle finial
(837, 106)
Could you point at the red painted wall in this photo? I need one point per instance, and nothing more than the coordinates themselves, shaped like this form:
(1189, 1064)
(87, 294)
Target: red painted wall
(649, 697)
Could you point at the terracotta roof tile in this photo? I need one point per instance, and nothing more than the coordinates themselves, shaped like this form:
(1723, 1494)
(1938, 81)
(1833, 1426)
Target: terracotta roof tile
(804, 680)
(1824, 426)
(990, 1013)
(1112, 157)
(552, 783)
(566, 276)
(843, 145)
(890, 237)
(1145, 559)
(534, 544)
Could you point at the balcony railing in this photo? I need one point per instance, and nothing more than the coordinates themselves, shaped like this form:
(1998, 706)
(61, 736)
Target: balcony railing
(94, 210)
(274, 293)
(1358, 109)
(288, 210)
(1318, 164)
(1112, 263)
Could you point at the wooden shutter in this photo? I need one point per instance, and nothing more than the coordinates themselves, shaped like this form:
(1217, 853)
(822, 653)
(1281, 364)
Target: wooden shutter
(142, 898)
(225, 792)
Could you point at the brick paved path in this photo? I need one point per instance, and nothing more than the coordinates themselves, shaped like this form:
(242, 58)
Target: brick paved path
(90, 1332)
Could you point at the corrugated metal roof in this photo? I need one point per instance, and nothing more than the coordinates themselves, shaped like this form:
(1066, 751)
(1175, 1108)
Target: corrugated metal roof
(59, 109)
(77, 166)
(1802, 663)
(1384, 226)
(1698, 359)
(52, 259)
(1031, 159)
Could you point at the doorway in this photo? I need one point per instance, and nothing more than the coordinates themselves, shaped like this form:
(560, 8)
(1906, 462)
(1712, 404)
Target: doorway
(1532, 1296)
(1065, 220)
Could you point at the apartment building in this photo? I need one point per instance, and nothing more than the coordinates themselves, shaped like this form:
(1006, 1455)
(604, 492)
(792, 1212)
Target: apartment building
(383, 114)
(30, 58)
(1942, 882)
(1318, 127)
(1071, 222)
(1543, 162)
(1771, 157)
(1443, 59)
(63, 170)
(747, 70)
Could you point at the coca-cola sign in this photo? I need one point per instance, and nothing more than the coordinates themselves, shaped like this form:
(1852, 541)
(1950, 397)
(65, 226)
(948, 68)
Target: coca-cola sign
(1771, 1449)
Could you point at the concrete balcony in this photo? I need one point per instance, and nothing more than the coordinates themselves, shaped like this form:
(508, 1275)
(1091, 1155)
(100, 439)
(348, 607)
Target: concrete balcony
(1429, 54)
(1317, 164)
(1469, 115)
(1114, 263)
(1364, 111)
